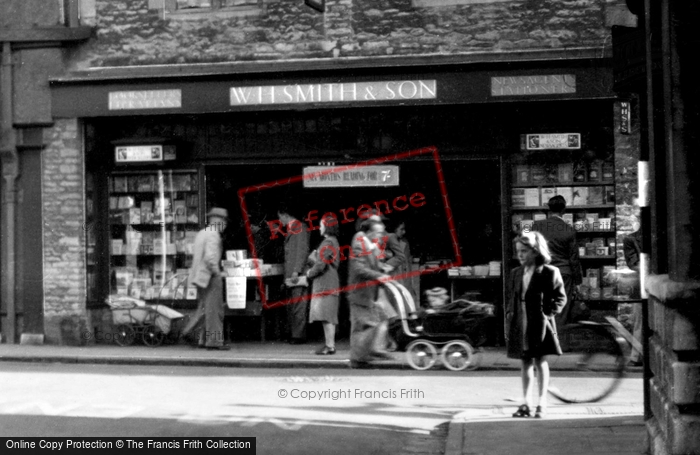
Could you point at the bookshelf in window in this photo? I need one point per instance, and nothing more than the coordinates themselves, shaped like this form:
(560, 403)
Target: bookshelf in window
(154, 217)
(588, 186)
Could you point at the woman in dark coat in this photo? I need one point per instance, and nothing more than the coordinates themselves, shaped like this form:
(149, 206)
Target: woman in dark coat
(536, 294)
(324, 273)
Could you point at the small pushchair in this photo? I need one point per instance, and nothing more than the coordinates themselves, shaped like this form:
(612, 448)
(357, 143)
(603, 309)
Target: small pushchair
(452, 333)
(133, 319)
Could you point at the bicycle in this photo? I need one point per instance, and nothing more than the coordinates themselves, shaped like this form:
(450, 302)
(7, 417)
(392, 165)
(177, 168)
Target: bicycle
(599, 348)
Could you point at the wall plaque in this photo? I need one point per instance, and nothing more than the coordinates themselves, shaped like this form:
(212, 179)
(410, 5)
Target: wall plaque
(533, 85)
(145, 99)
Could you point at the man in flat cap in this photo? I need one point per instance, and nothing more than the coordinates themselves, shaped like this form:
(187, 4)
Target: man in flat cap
(206, 274)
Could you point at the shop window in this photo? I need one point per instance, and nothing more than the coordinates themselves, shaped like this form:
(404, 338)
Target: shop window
(198, 9)
(153, 219)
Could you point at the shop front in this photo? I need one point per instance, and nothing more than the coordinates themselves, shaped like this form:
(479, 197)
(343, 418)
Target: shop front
(159, 153)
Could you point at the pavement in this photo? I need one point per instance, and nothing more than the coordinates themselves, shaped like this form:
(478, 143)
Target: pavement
(583, 431)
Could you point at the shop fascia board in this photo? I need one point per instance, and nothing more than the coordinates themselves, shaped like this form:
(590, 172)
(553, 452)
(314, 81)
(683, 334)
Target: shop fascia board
(214, 70)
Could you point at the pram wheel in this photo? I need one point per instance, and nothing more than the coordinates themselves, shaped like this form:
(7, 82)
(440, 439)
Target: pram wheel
(152, 336)
(457, 355)
(124, 335)
(421, 355)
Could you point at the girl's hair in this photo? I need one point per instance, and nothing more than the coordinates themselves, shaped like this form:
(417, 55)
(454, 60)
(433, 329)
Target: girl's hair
(536, 241)
(331, 229)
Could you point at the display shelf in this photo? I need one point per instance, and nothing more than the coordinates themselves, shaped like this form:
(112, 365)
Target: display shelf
(138, 201)
(613, 300)
(609, 256)
(189, 223)
(473, 277)
(128, 193)
(150, 254)
(544, 208)
(561, 184)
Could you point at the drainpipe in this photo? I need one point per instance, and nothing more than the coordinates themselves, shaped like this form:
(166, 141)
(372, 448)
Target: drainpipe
(10, 172)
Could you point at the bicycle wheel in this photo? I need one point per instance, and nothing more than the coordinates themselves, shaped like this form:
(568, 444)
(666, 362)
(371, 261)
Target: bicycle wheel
(421, 355)
(598, 363)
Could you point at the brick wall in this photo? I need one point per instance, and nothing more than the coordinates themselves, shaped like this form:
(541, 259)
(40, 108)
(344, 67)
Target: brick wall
(674, 352)
(129, 33)
(64, 235)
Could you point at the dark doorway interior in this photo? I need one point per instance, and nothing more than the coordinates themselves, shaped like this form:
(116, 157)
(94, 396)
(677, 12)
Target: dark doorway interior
(473, 194)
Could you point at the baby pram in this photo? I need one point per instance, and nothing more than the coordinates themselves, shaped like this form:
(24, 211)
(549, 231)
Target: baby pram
(453, 329)
(135, 319)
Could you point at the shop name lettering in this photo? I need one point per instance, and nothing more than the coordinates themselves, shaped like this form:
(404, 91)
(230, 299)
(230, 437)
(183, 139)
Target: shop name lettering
(327, 93)
(145, 99)
(533, 85)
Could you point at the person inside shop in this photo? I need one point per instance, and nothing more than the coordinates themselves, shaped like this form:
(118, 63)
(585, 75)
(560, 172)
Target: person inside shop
(399, 233)
(632, 249)
(323, 275)
(535, 294)
(296, 253)
(207, 275)
(561, 239)
(366, 314)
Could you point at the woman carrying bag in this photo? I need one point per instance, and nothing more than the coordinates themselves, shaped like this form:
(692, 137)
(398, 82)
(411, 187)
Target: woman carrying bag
(536, 294)
(324, 275)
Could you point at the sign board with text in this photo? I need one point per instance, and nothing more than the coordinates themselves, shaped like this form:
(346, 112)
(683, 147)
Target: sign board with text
(334, 92)
(344, 176)
(553, 141)
(531, 85)
(145, 99)
(138, 153)
(236, 292)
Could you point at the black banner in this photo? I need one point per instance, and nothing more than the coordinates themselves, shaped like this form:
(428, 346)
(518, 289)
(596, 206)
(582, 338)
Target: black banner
(235, 445)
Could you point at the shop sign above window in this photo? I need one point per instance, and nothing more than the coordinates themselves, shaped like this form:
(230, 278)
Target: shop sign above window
(334, 92)
(143, 153)
(530, 85)
(145, 99)
(553, 141)
(350, 176)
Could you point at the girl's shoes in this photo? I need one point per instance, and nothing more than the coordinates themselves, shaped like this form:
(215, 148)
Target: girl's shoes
(540, 413)
(326, 351)
(523, 411)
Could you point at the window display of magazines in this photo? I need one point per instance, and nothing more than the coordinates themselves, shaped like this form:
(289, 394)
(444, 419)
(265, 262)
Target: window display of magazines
(588, 187)
(154, 218)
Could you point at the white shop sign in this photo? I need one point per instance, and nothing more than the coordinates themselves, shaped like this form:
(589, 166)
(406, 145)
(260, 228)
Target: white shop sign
(344, 92)
(355, 176)
(235, 292)
(145, 99)
(553, 141)
(138, 153)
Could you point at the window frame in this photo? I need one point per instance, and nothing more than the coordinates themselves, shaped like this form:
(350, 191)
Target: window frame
(217, 8)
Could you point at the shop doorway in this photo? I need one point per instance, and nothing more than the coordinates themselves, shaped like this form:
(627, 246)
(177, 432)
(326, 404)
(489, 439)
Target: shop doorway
(472, 186)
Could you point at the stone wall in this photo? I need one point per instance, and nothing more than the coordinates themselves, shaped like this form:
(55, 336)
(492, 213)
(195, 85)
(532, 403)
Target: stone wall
(63, 194)
(129, 33)
(626, 192)
(674, 360)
